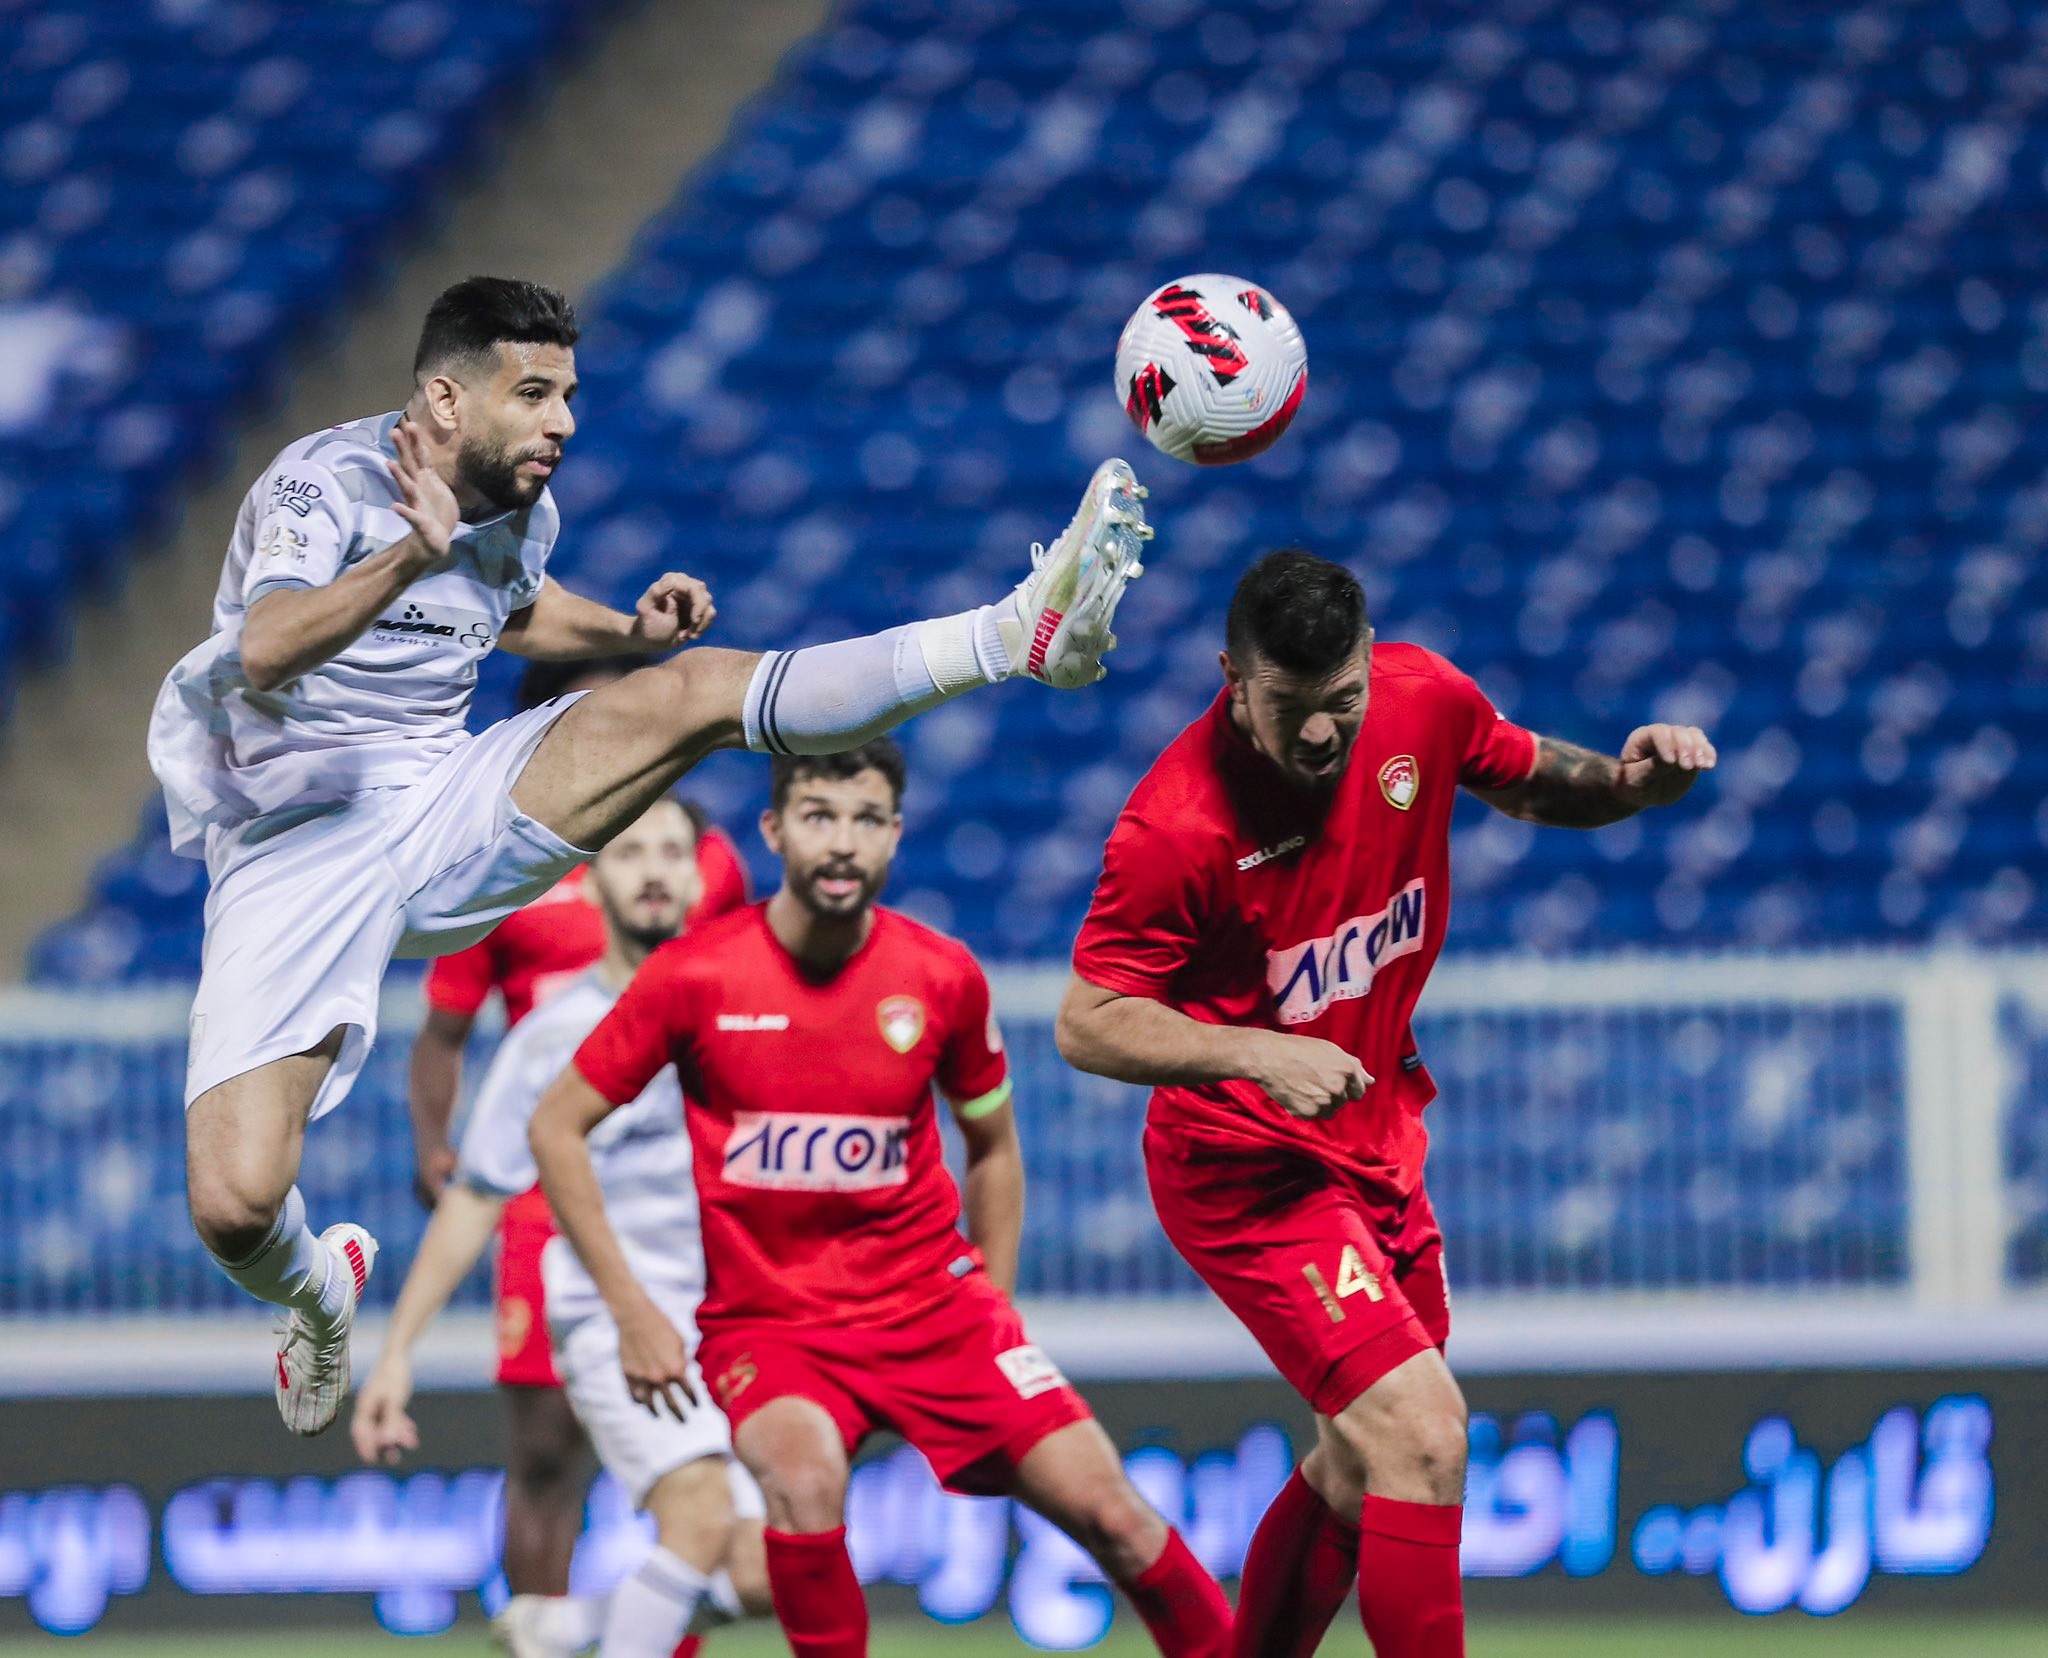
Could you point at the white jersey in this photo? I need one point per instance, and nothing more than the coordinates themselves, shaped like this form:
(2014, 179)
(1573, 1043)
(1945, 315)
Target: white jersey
(641, 1153)
(383, 711)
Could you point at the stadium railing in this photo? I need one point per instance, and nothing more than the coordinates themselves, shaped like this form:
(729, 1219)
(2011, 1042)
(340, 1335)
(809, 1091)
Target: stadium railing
(1636, 1160)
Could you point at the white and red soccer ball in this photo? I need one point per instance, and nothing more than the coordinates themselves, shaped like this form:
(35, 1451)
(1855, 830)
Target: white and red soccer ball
(1211, 369)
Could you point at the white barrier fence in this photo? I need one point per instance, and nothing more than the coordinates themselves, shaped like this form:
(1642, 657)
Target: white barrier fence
(1656, 1160)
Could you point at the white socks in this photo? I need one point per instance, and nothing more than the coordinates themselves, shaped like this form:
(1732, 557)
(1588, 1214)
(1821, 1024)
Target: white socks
(571, 1622)
(293, 1268)
(650, 1612)
(829, 698)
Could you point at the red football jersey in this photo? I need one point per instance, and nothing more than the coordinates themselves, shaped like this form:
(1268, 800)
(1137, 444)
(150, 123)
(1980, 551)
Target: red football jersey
(820, 1175)
(535, 951)
(1238, 899)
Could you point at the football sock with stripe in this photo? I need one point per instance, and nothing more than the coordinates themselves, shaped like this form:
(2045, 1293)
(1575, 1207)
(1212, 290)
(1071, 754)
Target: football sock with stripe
(649, 1612)
(293, 1268)
(1181, 1604)
(818, 1600)
(1409, 1594)
(1300, 1566)
(825, 699)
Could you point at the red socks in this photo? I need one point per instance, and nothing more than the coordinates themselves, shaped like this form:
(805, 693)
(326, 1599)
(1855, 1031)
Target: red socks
(1181, 1604)
(1408, 1589)
(1299, 1568)
(689, 1646)
(818, 1600)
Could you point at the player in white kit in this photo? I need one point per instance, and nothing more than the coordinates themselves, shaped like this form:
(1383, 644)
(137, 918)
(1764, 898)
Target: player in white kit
(706, 1507)
(313, 749)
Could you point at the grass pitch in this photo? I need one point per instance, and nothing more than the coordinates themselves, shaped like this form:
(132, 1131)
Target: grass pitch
(1728, 1637)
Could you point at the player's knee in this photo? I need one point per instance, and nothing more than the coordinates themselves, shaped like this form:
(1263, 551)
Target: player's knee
(1439, 1440)
(693, 1512)
(545, 1470)
(1117, 1526)
(804, 1495)
(233, 1218)
(1407, 1430)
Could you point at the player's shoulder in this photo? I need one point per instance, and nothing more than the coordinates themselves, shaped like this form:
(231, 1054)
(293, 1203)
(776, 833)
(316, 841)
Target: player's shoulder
(1183, 799)
(1400, 659)
(941, 953)
(710, 952)
(722, 933)
(573, 1011)
(352, 460)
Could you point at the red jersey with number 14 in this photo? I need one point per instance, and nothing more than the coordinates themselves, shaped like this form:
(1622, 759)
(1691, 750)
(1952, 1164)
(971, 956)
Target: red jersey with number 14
(821, 1184)
(1239, 900)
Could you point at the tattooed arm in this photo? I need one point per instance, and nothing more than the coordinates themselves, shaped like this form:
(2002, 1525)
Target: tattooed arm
(1575, 788)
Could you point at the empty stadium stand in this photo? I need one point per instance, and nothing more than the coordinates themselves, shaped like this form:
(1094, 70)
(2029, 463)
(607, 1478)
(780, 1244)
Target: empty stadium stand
(1665, 362)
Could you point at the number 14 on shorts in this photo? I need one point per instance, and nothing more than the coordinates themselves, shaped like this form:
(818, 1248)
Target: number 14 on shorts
(1352, 1279)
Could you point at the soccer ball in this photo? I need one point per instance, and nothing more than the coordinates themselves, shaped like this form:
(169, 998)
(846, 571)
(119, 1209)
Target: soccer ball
(1211, 369)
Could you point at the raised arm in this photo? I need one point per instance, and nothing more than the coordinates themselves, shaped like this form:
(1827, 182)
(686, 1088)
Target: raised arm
(1135, 1039)
(1576, 788)
(291, 630)
(560, 625)
(651, 1350)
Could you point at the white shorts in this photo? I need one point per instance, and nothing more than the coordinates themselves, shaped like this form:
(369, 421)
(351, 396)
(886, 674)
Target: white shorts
(306, 911)
(636, 1445)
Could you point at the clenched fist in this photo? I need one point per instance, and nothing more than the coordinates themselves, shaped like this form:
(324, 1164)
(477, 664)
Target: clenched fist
(1305, 1075)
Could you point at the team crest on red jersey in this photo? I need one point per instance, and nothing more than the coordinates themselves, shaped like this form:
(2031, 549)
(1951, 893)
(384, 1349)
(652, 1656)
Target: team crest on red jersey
(1399, 779)
(902, 1021)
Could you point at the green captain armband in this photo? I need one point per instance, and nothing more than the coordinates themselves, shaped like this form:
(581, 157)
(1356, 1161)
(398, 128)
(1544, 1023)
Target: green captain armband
(994, 1100)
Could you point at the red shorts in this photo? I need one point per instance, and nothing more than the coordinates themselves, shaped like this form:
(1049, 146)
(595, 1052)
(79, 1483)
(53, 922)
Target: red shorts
(960, 1380)
(524, 1357)
(1335, 1282)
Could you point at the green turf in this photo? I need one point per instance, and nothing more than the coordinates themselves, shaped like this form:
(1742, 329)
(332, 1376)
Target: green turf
(1851, 1637)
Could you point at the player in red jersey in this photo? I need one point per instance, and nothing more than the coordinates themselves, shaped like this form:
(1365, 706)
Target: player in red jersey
(1271, 902)
(809, 1032)
(532, 953)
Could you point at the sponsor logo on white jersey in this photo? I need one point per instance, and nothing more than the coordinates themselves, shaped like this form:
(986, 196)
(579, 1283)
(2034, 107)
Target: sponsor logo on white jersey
(295, 495)
(1266, 854)
(436, 622)
(796, 1151)
(1029, 1371)
(753, 1021)
(1306, 978)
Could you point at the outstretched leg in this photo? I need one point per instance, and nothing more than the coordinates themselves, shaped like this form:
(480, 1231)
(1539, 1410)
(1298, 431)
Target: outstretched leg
(608, 757)
(243, 1139)
(1074, 1479)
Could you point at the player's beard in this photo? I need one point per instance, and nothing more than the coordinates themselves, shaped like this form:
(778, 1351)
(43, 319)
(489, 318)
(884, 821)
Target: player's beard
(840, 909)
(491, 469)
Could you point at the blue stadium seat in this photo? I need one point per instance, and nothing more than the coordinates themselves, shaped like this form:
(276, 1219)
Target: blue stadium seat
(185, 191)
(1671, 366)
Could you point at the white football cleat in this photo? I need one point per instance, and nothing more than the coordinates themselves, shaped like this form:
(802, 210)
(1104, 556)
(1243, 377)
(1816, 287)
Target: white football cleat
(524, 1629)
(1064, 607)
(312, 1356)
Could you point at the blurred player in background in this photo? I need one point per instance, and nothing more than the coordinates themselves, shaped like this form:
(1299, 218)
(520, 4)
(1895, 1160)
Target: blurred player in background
(1272, 899)
(313, 750)
(707, 1511)
(550, 943)
(809, 1032)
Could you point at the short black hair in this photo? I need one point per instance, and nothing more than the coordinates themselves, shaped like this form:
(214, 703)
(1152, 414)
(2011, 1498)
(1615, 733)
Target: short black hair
(544, 681)
(1301, 613)
(479, 312)
(881, 755)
